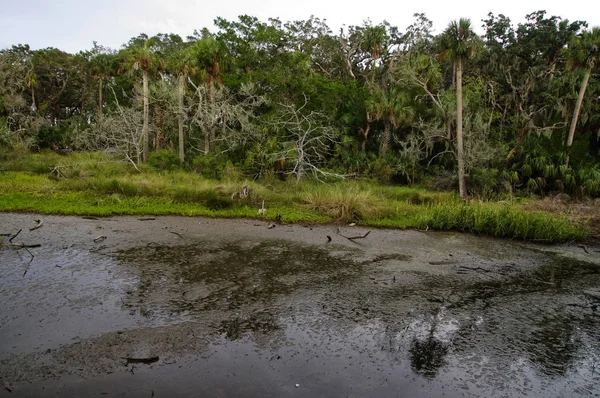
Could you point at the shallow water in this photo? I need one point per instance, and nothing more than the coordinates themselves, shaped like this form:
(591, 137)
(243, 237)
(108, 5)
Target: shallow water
(236, 315)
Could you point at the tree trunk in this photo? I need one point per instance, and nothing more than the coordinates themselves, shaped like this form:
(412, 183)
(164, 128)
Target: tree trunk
(99, 99)
(33, 108)
(159, 129)
(385, 140)
(145, 126)
(180, 117)
(363, 144)
(584, 84)
(518, 144)
(210, 135)
(462, 183)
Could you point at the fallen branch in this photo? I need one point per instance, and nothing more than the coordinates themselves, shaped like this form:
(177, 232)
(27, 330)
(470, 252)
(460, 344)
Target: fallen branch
(132, 162)
(355, 237)
(14, 236)
(446, 262)
(176, 233)
(99, 238)
(39, 224)
(19, 245)
(145, 361)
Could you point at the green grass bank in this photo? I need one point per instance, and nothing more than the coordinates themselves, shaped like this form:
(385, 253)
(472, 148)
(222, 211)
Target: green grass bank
(94, 184)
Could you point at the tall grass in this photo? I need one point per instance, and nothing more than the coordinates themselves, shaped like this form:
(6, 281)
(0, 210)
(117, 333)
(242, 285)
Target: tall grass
(344, 202)
(94, 184)
(502, 220)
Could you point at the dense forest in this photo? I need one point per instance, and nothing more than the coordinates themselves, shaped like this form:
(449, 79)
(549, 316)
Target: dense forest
(514, 110)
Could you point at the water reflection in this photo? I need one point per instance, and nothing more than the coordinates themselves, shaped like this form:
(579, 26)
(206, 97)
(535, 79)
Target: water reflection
(278, 294)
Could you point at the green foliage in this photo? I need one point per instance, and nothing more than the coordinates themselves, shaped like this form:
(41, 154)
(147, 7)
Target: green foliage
(502, 221)
(210, 166)
(209, 198)
(92, 184)
(344, 202)
(165, 159)
(388, 95)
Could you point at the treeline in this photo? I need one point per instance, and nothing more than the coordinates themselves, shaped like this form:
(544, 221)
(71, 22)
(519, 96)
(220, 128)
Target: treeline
(515, 109)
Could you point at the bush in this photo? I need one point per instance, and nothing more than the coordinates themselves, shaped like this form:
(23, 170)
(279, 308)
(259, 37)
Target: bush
(210, 166)
(164, 159)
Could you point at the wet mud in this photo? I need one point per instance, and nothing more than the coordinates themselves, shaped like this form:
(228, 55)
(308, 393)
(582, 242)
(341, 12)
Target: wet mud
(173, 306)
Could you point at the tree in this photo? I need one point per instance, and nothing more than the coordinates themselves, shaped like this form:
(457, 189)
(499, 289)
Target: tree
(140, 55)
(391, 106)
(181, 63)
(207, 54)
(306, 139)
(583, 52)
(457, 43)
(100, 69)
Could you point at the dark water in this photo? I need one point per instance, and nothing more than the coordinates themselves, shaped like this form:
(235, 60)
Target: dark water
(274, 318)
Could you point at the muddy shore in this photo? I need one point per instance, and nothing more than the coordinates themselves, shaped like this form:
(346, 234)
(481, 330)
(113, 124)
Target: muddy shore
(175, 306)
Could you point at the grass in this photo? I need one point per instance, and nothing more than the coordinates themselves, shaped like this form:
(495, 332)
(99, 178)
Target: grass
(93, 184)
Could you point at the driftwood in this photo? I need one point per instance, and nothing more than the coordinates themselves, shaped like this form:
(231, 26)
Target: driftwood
(352, 238)
(15, 235)
(99, 238)
(145, 361)
(19, 245)
(176, 233)
(39, 224)
(444, 262)
(585, 249)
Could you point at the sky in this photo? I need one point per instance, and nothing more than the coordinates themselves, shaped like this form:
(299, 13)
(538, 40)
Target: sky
(73, 26)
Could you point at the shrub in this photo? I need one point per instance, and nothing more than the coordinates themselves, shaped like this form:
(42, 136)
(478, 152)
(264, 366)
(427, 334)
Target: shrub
(164, 159)
(210, 166)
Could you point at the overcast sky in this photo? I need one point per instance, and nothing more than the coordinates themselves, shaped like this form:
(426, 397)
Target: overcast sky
(73, 25)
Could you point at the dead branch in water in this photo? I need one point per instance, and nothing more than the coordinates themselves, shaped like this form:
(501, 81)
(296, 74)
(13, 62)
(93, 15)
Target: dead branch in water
(19, 245)
(355, 237)
(145, 361)
(40, 222)
(14, 236)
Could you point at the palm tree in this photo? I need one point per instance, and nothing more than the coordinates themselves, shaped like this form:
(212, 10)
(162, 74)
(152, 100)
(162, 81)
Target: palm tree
(140, 56)
(391, 106)
(181, 63)
(457, 43)
(100, 66)
(208, 54)
(582, 52)
(31, 82)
